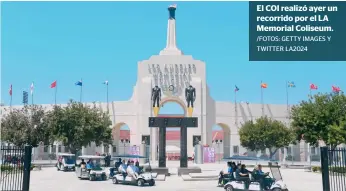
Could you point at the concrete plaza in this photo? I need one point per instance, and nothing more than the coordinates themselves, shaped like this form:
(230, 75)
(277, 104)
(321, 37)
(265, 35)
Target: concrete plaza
(50, 179)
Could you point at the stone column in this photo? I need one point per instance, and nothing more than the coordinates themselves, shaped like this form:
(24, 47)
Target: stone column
(162, 147)
(199, 153)
(285, 155)
(308, 153)
(183, 147)
(84, 151)
(110, 150)
(143, 152)
(153, 144)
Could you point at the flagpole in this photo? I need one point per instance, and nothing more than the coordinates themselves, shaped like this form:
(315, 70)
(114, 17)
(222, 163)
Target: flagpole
(262, 99)
(56, 87)
(81, 90)
(32, 98)
(235, 107)
(288, 109)
(11, 102)
(310, 93)
(107, 99)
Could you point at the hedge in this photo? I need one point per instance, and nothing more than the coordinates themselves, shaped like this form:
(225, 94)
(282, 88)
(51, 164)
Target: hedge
(332, 169)
(10, 168)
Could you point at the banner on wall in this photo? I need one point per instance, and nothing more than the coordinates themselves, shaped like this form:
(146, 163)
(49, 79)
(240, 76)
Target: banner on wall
(208, 154)
(133, 150)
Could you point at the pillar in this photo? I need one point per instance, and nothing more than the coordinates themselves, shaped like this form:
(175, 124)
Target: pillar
(84, 151)
(153, 144)
(110, 149)
(143, 152)
(183, 147)
(199, 153)
(308, 153)
(162, 147)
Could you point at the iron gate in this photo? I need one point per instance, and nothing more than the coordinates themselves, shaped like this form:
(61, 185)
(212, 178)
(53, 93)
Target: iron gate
(333, 167)
(15, 168)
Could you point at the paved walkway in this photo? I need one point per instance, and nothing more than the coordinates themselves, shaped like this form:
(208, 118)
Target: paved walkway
(52, 180)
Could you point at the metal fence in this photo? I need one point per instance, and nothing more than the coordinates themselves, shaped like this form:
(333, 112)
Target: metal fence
(333, 167)
(293, 155)
(15, 168)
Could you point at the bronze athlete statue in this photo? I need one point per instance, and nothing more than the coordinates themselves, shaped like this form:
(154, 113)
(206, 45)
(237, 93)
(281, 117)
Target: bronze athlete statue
(190, 95)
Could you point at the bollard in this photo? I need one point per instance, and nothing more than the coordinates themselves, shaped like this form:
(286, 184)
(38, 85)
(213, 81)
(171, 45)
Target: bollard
(142, 152)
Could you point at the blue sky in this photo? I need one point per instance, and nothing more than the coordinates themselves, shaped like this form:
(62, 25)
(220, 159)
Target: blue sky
(97, 41)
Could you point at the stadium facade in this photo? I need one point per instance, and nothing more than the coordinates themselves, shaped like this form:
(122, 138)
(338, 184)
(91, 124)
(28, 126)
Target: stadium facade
(172, 67)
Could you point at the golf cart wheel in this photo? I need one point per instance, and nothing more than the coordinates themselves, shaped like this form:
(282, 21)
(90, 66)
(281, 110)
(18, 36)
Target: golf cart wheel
(91, 178)
(151, 182)
(229, 188)
(115, 181)
(277, 189)
(140, 182)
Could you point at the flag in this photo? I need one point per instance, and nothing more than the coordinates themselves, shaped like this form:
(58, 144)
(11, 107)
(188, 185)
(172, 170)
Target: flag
(313, 87)
(10, 90)
(291, 84)
(336, 89)
(264, 85)
(53, 84)
(236, 89)
(32, 88)
(79, 83)
(105, 82)
(25, 97)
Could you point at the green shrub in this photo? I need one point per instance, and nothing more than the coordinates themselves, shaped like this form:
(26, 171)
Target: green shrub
(6, 168)
(316, 169)
(337, 169)
(332, 169)
(10, 168)
(290, 158)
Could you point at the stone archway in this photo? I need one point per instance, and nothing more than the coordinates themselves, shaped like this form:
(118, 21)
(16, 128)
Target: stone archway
(172, 108)
(222, 148)
(121, 138)
(175, 100)
(154, 140)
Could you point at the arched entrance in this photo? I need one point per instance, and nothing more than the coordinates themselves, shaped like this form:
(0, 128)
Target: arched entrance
(172, 107)
(121, 138)
(221, 140)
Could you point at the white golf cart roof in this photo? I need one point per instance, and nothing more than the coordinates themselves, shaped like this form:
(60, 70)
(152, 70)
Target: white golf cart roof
(65, 154)
(91, 157)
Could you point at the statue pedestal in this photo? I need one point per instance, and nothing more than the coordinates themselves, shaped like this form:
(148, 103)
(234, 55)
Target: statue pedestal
(156, 111)
(189, 111)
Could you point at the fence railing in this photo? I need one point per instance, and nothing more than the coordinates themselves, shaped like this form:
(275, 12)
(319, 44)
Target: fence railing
(333, 167)
(15, 168)
(294, 155)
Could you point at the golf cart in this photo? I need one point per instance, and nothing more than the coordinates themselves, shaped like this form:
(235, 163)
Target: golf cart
(124, 178)
(66, 162)
(275, 182)
(93, 169)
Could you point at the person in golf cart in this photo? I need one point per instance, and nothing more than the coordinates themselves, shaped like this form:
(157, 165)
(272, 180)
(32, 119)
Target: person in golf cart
(242, 174)
(132, 170)
(123, 169)
(82, 164)
(262, 177)
(226, 177)
(118, 164)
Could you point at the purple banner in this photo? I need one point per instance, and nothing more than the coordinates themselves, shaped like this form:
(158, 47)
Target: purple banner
(133, 150)
(208, 154)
